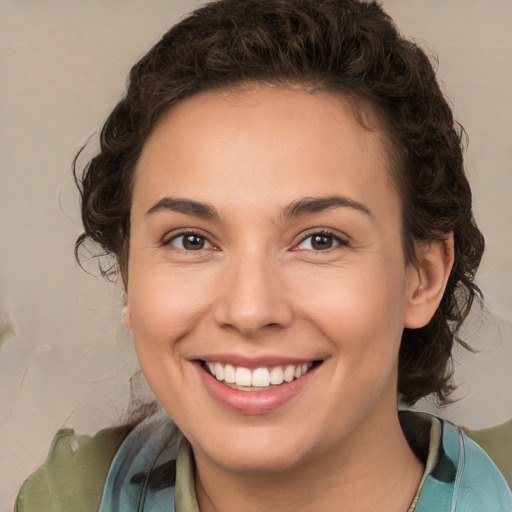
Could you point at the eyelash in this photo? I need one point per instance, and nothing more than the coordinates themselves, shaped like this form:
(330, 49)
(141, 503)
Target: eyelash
(336, 240)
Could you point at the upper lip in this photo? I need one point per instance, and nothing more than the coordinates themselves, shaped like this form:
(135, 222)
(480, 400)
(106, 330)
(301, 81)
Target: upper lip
(253, 362)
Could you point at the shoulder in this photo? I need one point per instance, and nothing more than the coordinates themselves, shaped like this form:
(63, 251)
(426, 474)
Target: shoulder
(73, 474)
(463, 478)
(114, 471)
(497, 443)
(481, 484)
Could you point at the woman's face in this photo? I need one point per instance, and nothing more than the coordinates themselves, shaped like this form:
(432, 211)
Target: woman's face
(265, 249)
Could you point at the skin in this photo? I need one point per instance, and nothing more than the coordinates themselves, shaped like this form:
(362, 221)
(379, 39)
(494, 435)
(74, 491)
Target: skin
(259, 287)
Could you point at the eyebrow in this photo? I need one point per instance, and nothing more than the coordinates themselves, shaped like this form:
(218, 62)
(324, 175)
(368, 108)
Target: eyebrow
(185, 206)
(308, 205)
(303, 206)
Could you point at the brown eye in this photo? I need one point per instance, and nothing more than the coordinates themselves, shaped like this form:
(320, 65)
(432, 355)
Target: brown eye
(190, 242)
(321, 242)
(193, 242)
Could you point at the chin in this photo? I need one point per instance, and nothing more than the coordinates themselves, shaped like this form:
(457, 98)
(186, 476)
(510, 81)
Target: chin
(255, 459)
(250, 449)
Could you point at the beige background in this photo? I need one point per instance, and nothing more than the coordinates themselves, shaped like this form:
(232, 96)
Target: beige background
(62, 67)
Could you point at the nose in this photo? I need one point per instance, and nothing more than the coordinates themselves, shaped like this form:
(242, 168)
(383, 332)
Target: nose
(252, 297)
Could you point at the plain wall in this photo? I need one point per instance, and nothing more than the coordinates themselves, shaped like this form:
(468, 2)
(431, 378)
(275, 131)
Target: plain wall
(68, 360)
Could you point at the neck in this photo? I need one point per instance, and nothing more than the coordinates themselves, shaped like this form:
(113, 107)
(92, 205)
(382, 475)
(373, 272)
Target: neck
(373, 470)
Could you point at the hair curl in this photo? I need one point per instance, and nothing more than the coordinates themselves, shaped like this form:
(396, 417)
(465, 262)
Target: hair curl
(345, 47)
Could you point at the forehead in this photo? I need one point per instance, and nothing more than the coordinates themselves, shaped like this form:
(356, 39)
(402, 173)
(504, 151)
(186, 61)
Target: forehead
(264, 143)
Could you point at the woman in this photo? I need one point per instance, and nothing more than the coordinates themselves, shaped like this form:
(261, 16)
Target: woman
(283, 188)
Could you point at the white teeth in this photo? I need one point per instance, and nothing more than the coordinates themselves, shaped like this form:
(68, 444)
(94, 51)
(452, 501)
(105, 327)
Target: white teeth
(276, 376)
(243, 376)
(289, 373)
(229, 374)
(262, 377)
(219, 371)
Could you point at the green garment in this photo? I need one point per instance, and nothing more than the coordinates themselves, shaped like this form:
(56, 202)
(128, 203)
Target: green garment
(73, 476)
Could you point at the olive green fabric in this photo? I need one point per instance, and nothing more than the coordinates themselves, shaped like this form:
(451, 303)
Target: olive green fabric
(497, 442)
(185, 494)
(73, 475)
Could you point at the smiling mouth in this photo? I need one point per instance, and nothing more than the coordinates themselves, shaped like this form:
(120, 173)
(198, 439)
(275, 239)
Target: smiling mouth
(258, 379)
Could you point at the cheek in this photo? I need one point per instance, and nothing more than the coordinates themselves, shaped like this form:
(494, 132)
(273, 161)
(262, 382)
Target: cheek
(164, 309)
(164, 306)
(360, 310)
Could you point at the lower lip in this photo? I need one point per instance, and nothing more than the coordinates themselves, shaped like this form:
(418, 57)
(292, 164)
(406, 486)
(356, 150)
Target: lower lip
(253, 402)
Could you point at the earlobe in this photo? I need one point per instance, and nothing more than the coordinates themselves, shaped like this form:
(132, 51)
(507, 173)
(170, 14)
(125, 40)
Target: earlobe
(427, 280)
(126, 317)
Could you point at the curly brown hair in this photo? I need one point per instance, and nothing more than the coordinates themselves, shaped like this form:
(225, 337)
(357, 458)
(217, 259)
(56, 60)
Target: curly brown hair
(346, 47)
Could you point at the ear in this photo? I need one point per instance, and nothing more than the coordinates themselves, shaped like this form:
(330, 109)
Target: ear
(427, 280)
(126, 317)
